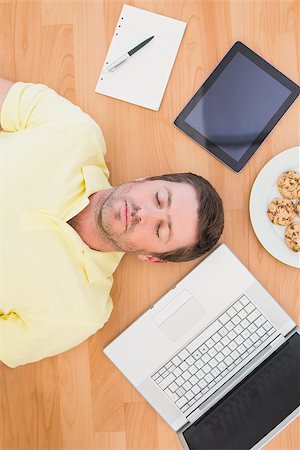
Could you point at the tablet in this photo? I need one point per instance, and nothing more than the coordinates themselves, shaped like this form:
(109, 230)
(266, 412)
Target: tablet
(237, 106)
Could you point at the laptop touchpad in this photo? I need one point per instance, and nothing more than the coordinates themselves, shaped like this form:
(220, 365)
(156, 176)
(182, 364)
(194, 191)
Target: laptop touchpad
(179, 315)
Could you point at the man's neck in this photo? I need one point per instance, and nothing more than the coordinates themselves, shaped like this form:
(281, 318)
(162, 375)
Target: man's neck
(85, 223)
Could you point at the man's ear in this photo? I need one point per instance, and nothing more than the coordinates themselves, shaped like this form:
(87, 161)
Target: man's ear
(151, 259)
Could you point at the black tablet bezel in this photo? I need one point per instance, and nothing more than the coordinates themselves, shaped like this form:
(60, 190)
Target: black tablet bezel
(209, 145)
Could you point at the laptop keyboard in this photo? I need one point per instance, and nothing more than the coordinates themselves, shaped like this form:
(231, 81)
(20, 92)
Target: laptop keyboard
(215, 355)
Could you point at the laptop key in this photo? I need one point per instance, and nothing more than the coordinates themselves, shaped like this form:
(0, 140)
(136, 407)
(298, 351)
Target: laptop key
(166, 381)
(177, 371)
(236, 320)
(180, 381)
(176, 361)
(231, 312)
(216, 337)
(254, 337)
(239, 340)
(183, 354)
(202, 384)
(173, 387)
(225, 341)
(193, 369)
(199, 364)
(203, 349)
(242, 314)
(181, 402)
(212, 352)
(200, 374)
(258, 322)
(186, 375)
(197, 354)
(187, 386)
(181, 392)
(232, 335)
(184, 408)
(190, 360)
(205, 358)
(241, 349)
(213, 362)
(206, 369)
(254, 315)
(208, 378)
(238, 306)
(189, 395)
(195, 389)
(183, 366)
(244, 300)
(193, 380)
(249, 308)
(220, 357)
(245, 334)
(248, 343)
(267, 326)
(219, 346)
(226, 351)
(223, 331)
(238, 329)
(228, 360)
(171, 368)
(224, 318)
(235, 355)
(173, 396)
(229, 325)
(210, 343)
(261, 332)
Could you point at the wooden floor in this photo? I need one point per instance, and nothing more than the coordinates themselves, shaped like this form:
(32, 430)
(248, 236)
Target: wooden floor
(78, 400)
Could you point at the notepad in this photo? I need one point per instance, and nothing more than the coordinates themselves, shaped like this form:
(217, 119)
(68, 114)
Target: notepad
(143, 78)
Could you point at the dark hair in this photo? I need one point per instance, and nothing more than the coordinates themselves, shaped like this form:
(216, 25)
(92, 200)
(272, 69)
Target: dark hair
(210, 217)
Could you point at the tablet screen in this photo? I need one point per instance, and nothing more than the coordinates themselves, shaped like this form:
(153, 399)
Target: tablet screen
(237, 106)
(254, 407)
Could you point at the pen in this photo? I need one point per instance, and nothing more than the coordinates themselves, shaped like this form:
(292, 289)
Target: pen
(127, 55)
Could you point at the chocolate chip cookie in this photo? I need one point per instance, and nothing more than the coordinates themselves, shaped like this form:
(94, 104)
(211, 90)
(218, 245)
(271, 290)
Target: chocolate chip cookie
(297, 207)
(292, 236)
(281, 211)
(289, 184)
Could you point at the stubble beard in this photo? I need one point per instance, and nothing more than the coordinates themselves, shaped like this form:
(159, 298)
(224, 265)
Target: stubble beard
(119, 241)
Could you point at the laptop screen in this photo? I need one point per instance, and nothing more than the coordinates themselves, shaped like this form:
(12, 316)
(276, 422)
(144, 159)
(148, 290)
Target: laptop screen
(254, 407)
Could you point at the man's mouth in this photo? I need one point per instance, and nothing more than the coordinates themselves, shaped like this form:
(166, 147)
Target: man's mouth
(127, 219)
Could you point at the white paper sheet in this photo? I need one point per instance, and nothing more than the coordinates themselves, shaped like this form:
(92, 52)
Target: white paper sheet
(143, 78)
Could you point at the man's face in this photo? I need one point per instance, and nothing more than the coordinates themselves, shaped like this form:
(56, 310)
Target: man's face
(147, 217)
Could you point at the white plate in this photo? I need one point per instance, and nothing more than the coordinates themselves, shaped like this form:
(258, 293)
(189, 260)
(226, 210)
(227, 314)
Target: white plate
(264, 190)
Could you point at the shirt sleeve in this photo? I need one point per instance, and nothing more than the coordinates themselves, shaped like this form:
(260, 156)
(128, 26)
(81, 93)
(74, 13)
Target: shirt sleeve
(28, 105)
(27, 341)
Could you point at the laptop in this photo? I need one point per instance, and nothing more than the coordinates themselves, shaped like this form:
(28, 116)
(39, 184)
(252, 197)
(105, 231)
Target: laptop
(216, 357)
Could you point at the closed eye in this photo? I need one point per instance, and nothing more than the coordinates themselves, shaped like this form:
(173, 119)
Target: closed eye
(157, 230)
(157, 199)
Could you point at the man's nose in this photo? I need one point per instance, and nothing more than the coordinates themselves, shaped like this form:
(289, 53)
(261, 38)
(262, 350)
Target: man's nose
(146, 215)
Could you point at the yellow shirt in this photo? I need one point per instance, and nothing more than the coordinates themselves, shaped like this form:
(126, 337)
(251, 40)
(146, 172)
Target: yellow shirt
(54, 289)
